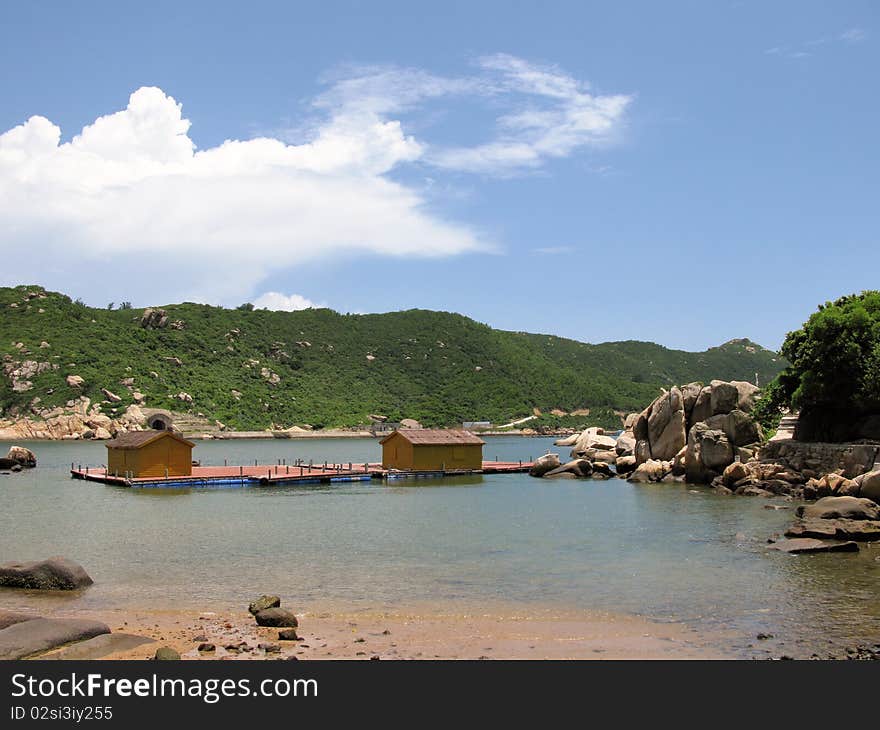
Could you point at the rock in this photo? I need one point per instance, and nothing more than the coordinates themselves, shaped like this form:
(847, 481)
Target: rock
(8, 618)
(625, 464)
(689, 395)
(276, 618)
(288, 635)
(75, 381)
(543, 464)
(55, 573)
(859, 460)
(603, 455)
(741, 429)
(166, 653)
(869, 486)
(626, 444)
(269, 647)
(112, 397)
(702, 406)
(602, 469)
(102, 434)
(666, 425)
(747, 393)
(567, 440)
(578, 467)
(184, 397)
(98, 646)
(264, 602)
(724, 397)
(752, 491)
(809, 545)
(592, 438)
(678, 462)
(207, 647)
(824, 529)
(708, 453)
(650, 471)
(734, 473)
(22, 456)
(846, 508)
(154, 319)
(29, 638)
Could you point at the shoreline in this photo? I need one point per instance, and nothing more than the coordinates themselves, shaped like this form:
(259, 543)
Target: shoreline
(278, 435)
(405, 633)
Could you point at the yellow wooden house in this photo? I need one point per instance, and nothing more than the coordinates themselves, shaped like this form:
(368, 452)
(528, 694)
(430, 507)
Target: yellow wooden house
(428, 449)
(149, 454)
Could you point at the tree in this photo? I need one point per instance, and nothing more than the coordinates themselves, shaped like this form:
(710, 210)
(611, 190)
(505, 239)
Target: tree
(834, 375)
(125, 305)
(246, 307)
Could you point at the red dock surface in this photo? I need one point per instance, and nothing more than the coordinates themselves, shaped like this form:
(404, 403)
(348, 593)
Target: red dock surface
(276, 474)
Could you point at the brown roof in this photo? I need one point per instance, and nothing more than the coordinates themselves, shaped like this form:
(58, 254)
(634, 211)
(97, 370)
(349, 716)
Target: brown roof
(137, 439)
(436, 436)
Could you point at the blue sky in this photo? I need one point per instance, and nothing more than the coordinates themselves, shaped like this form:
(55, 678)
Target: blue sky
(684, 172)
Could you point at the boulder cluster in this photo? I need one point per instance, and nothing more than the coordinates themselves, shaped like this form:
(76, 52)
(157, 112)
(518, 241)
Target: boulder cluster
(833, 524)
(694, 431)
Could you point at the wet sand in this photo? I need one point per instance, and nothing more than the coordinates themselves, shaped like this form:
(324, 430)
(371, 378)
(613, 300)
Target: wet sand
(417, 633)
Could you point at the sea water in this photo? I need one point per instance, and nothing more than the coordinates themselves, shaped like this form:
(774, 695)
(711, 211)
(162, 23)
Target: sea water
(667, 552)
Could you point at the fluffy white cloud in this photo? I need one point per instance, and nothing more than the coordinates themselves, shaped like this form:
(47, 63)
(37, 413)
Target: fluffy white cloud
(129, 206)
(130, 197)
(278, 302)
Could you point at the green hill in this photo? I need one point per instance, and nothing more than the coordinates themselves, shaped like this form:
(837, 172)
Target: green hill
(259, 369)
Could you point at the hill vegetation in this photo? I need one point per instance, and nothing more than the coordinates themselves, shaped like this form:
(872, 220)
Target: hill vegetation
(256, 369)
(834, 374)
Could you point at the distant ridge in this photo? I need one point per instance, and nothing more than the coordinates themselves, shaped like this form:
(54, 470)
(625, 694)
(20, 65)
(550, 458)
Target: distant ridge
(261, 369)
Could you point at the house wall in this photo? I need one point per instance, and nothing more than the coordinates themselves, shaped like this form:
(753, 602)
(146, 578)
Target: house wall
(151, 460)
(398, 453)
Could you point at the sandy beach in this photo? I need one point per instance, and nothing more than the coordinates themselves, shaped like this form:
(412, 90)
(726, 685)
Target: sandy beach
(417, 633)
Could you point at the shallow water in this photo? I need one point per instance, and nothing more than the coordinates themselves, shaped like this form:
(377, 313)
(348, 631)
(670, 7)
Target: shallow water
(669, 552)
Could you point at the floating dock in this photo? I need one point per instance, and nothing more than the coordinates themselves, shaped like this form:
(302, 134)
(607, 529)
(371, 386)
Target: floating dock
(281, 474)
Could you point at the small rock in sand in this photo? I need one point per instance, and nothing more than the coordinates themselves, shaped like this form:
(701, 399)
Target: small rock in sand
(207, 647)
(166, 653)
(264, 602)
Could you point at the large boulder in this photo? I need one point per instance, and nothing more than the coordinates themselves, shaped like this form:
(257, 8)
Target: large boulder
(661, 413)
(859, 460)
(576, 467)
(735, 472)
(29, 638)
(626, 444)
(702, 406)
(689, 395)
(724, 396)
(741, 429)
(592, 438)
(543, 464)
(708, 453)
(624, 465)
(153, 319)
(567, 440)
(869, 486)
(652, 470)
(747, 393)
(276, 618)
(672, 439)
(22, 456)
(860, 530)
(845, 508)
(56, 573)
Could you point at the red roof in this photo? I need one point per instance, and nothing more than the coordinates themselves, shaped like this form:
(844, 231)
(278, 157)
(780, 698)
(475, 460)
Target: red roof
(436, 436)
(138, 439)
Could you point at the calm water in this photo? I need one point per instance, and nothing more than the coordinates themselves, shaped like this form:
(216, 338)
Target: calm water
(667, 552)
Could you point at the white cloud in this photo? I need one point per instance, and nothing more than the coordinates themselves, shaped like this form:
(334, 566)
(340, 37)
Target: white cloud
(130, 205)
(553, 113)
(130, 198)
(278, 302)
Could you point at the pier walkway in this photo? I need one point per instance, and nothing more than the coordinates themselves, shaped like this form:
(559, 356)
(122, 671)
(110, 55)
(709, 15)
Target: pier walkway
(278, 474)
